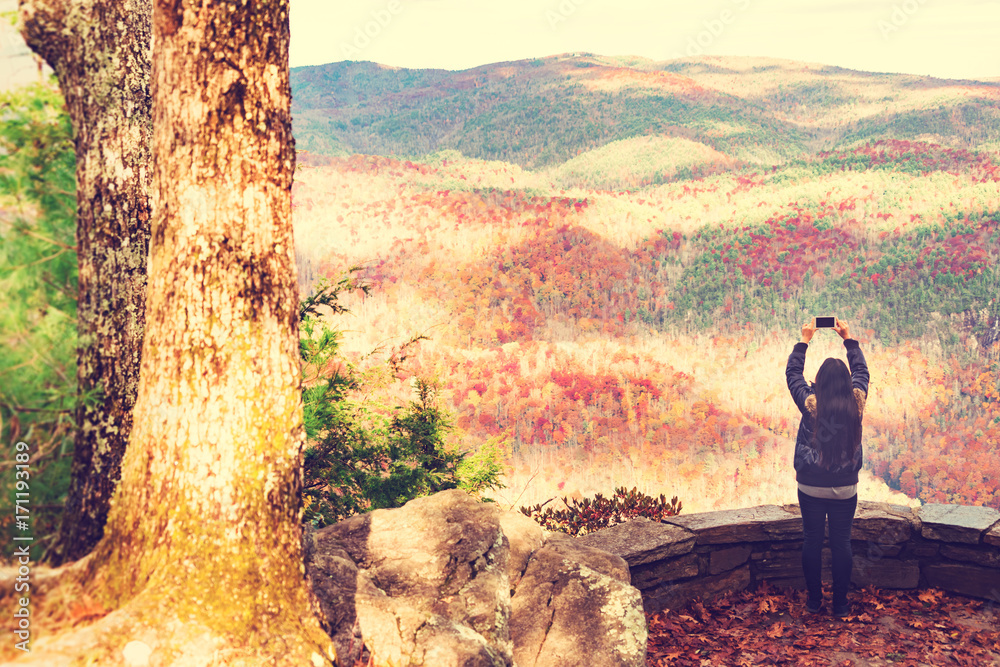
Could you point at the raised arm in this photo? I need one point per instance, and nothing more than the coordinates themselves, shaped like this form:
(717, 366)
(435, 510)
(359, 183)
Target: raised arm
(793, 376)
(859, 368)
(855, 357)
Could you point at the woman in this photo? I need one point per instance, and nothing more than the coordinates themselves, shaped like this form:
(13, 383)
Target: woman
(828, 456)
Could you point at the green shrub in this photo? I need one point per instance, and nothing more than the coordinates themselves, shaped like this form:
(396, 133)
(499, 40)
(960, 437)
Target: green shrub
(481, 471)
(361, 455)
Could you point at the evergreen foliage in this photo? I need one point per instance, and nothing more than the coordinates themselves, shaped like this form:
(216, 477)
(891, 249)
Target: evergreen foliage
(360, 454)
(38, 278)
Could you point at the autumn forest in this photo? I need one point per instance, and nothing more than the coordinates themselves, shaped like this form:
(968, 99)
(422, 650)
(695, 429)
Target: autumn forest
(611, 261)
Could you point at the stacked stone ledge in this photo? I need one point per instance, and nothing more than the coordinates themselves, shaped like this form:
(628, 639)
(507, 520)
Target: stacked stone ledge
(952, 547)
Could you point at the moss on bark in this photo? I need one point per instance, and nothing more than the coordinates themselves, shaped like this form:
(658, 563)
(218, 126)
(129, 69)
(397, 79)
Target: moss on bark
(100, 52)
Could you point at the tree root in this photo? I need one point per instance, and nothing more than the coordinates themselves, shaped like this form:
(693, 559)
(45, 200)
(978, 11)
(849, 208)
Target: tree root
(68, 628)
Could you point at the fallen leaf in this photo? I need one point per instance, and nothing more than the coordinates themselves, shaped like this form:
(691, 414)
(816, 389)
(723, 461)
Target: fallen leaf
(930, 596)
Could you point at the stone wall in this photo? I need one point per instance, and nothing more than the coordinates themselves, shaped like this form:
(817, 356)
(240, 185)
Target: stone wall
(952, 547)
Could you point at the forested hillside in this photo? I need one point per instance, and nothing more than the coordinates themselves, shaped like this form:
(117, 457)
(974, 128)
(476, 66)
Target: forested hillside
(542, 112)
(613, 258)
(640, 336)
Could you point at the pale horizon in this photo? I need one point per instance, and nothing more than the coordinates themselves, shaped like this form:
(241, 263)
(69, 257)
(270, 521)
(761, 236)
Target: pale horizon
(917, 37)
(993, 79)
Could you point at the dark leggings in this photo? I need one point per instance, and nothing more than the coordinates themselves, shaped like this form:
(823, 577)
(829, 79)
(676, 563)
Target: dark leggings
(814, 513)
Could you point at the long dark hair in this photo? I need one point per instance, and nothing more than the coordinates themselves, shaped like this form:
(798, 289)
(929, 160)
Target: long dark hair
(837, 431)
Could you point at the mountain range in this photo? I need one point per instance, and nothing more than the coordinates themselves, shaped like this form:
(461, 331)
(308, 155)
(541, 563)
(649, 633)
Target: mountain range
(541, 112)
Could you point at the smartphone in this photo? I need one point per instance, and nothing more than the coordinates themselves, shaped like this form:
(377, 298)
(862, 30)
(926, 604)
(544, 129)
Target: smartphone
(825, 322)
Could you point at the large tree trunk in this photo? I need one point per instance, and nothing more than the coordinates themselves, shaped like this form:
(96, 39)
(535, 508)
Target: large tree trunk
(204, 537)
(100, 51)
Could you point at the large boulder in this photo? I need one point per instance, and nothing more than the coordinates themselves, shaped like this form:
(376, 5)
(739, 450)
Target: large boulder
(449, 581)
(431, 585)
(575, 606)
(334, 577)
(525, 537)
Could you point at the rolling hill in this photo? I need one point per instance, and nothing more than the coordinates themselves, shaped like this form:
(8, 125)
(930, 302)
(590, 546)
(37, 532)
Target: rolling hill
(542, 112)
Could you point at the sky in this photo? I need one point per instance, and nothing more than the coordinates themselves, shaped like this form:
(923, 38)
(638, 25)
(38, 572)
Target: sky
(943, 38)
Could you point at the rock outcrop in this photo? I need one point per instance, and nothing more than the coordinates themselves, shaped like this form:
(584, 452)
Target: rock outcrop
(575, 606)
(449, 581)
(446, 580)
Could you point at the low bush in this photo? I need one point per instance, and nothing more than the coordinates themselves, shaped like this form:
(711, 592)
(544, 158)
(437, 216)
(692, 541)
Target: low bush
(587, 515)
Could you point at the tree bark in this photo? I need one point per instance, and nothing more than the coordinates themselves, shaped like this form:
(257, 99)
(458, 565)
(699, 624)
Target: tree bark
(100, 51)
(204, 533)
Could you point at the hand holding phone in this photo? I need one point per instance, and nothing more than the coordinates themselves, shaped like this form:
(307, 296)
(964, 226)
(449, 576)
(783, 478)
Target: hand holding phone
(823, 322)
(842, 328)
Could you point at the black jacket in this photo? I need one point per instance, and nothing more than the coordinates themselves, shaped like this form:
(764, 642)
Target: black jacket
(807, 468)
